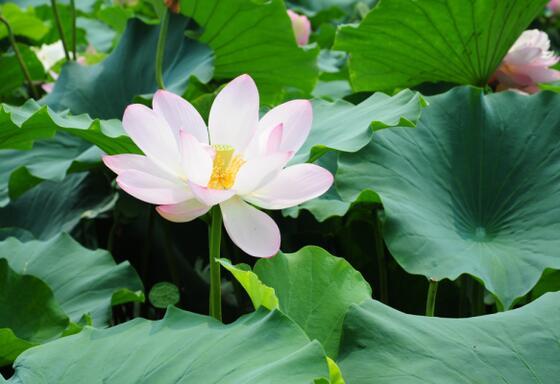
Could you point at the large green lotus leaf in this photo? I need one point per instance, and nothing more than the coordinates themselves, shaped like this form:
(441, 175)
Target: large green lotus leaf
(54, 144)
(104, 90)
(49, 159)
(379, 111)
(29, 314)
(23, 22)
(345, 127)
(473, 189)
(315, 289)
(83, 281)
(402, 43)
(255, 37)
(54, 207)
(385, 346)
(258, 348)
(21, 126)
(319, 5)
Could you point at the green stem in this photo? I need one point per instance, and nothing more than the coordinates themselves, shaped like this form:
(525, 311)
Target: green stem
(215, 279)
(431, 301)
(60, 30)
(73, 8)
(381, 261)
(19, 58)
(161, 48)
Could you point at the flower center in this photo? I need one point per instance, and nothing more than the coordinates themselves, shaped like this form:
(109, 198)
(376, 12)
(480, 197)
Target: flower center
(225, 167)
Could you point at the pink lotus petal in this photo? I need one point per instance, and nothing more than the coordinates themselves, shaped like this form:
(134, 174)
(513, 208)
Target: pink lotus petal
(554, 6)
(153, 136)
(153, 189)
(47, 87)
(294, 185)
(180, 114)
(209, 196)
(258, 171)
(132, 162)
(183, 212)
(296, 117)
(275, 139)
(250, 229)
(527, 63)
(197, 161)
(234, 114)
(301, 27)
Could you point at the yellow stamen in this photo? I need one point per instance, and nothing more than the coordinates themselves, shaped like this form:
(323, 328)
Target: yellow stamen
(225, 167)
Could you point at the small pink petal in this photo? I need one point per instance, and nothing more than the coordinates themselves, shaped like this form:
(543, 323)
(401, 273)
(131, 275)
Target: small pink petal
(301, 27)
(197, 161)
(183, 212)
(258, 171)
(153, 189)
(153, 136)
(209, 196)
(250, 229)
(235, 113)
(296, 117)
(293, 185)
(48, 87)
(180, 114)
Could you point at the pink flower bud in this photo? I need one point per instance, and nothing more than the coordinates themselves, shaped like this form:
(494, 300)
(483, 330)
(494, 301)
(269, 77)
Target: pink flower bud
(554, 6)
(301, 26)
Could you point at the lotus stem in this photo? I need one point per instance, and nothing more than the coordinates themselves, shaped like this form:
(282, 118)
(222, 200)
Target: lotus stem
(19, 58)
(160, 51)
(431, 300)
(215, 279)
(73, 9)
(59, 27)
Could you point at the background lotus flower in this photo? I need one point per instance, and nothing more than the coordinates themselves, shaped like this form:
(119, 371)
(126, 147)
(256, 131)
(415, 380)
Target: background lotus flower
(554, 6)
(238, 162)
(527, 63)
(50, 54)
(301, 26)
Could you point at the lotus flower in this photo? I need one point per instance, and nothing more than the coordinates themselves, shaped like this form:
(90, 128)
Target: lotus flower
(554, 6)
(301, 26)
(50, 54)
(239, 162)
(527, 63)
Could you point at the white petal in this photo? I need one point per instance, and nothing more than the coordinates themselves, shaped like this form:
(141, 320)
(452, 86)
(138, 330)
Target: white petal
(153, 189)
(183, 212)
(259, 171)
(209, 196)
(250, 229)
(296, 116)
(153, 136)
(235, 113)
(180, 114)
(132, 162)
(293, 185)
(197, 161)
